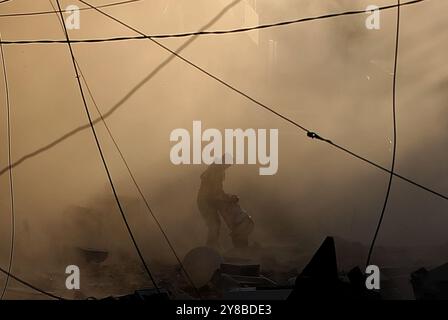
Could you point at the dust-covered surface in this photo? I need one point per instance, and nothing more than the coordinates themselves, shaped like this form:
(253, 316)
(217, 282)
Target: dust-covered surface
(119, 276)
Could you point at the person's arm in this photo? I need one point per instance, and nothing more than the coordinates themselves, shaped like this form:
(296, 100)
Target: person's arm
(223, 196)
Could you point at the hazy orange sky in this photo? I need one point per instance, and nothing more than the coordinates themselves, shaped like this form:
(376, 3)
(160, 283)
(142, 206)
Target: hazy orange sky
(333, 76)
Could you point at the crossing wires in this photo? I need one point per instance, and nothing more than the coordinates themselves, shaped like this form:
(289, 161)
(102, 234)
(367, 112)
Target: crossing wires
(131, 174)
(394, 151)
(38, 13)
(209, 32)
(106, 168)
(309, 133)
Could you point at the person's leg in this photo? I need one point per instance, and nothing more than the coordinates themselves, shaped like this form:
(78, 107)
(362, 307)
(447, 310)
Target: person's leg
(240, 241)
(214, 226)
(213, 222)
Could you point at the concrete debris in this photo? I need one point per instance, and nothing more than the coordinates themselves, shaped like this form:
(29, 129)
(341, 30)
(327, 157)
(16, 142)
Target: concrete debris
(320, 279)
(201, 263)
(257, 294)
(232, 277)
(251, 270)
(143, 295)
(93, 255)
(432, 284)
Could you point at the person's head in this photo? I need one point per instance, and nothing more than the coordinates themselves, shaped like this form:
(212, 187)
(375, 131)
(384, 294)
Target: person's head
(226, 166)
(227, 161)
(224, 162)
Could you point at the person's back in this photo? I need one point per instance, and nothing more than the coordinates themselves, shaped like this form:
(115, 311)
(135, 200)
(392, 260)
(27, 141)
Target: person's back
(212, 182)
(214, 203)
(210, 197)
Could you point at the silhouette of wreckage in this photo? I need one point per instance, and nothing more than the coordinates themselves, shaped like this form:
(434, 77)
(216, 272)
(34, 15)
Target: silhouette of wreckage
(320, 279)
(431, 285)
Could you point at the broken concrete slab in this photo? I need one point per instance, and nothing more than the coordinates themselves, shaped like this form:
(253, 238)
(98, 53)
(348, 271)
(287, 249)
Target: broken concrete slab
(431, 284)
(257, 294)
(320, 278)
(251, 270)
(201, 264)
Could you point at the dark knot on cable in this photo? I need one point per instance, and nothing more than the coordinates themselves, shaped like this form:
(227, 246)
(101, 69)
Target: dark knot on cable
(314, 135)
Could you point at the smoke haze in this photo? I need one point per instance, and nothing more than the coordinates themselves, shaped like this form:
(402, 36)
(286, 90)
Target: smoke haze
(332, 76)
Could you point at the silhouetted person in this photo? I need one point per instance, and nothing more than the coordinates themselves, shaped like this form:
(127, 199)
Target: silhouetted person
(215, 204)
(212, 198)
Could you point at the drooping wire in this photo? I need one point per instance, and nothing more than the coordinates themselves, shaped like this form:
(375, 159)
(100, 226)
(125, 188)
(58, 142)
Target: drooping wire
(134, 180)
(6, 15)
(309, 133)
(203, 33)
(29, 285)
(139, 190)
(337, 146)
(394, 151)
(120, 103)
(11, 180)
(128, 228)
